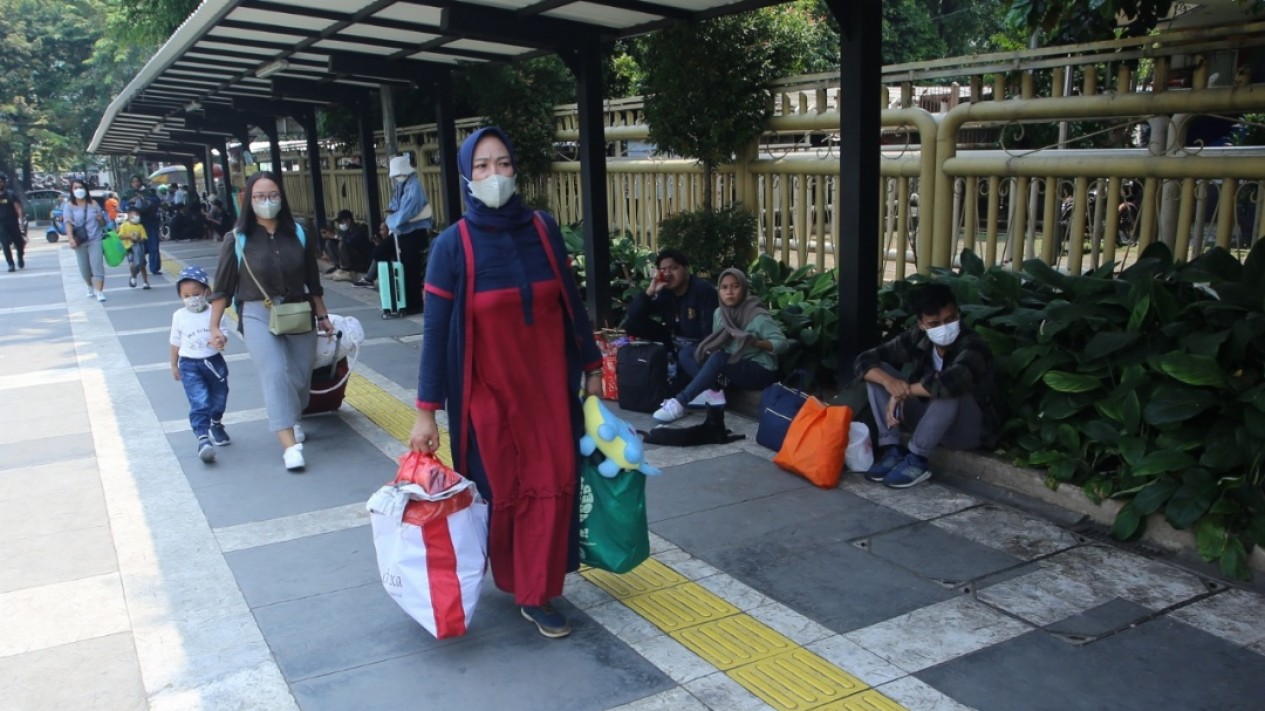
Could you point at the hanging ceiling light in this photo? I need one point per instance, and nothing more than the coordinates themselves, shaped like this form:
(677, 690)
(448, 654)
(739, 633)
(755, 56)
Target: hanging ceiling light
(271, 68)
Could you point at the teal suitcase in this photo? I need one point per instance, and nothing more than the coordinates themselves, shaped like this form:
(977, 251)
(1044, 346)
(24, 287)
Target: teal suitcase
(391, 289)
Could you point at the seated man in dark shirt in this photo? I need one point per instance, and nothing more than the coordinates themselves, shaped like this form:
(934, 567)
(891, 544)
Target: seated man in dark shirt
(354, 248)
(945, 401)
(683, 304)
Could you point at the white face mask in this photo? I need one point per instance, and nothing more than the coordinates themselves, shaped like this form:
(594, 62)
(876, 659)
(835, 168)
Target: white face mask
(80, 193)
(134, 219)
(946, 334)
(343, 227)
(267, 209)
(195, 303)
(494, 190)
(401, 178)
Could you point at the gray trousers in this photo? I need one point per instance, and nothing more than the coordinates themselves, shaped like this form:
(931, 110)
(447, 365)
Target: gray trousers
(91, 260)
(284, 364)
(956, 423)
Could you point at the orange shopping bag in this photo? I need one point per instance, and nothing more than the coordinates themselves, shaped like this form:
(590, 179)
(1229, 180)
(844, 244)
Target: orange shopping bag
(816, 442)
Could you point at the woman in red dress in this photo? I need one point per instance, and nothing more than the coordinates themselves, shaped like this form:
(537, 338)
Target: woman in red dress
(505, 340)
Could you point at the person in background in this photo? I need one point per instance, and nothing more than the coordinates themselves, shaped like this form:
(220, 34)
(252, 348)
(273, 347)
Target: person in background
(743, 346)
(354, 247)
(181, 196)
(12, 225)
(676, 309)
(85, 226)
(945, 401)
(507, 344)
(383, 251)
(276, 264)
(133, 234)
(149, 203)
(112, 207)
(408, 221)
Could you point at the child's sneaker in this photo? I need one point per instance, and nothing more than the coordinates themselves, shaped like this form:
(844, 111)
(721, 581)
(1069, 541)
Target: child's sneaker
(299, 435)
(145, 286)
(205, 451)
(219, 437)
(131, 281)
(293, 458)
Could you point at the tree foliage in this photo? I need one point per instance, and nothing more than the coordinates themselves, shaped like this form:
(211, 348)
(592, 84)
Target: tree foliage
(1069, 21)
(149, 22)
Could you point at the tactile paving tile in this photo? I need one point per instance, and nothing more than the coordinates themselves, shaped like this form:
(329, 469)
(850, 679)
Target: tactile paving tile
(680, 606)
(393, 416)
(797, 681)
(647, 577)
(733, 641)
(865, 701)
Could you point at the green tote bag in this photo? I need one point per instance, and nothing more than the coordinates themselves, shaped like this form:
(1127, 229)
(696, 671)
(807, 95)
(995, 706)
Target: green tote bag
(614, 535)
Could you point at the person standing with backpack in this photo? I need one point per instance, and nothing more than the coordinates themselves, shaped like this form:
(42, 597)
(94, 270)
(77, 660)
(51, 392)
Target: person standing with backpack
(12, 224)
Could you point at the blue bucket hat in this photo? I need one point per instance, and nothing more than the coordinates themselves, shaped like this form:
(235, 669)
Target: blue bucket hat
(197, 274)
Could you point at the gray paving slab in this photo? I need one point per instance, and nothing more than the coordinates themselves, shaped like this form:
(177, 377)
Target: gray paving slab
(48, 480)
(125, 317)
(255, 487)
(305, 567)
(1098, 621)
(710, 483)
(395, 361)
(54, 557)
(46, 450)
(1162, 664)
(70, 509)
(363, 625)
(938, 555)
(840, 586)
(515, 668)
(98, 673)
(47, 407)
(31, 342)
(798, 520)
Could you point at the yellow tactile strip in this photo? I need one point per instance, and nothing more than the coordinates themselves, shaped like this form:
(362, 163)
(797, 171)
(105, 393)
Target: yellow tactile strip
(761, 659)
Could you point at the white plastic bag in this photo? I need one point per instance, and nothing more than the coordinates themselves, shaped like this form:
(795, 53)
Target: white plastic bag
(434, 571)
(859, 456)
(349, 335)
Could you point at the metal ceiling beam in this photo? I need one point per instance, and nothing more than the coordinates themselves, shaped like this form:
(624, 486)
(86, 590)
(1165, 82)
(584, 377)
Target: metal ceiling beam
(649, 8)
(328, 93)
(406, 70)
(508, 27)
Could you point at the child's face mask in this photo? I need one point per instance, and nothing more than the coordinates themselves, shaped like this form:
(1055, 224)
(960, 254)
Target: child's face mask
(134, 219)
(195, 303)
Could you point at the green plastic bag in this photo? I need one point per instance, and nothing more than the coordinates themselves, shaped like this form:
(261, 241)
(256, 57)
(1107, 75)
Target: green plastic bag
(113, 249)
(614, 535)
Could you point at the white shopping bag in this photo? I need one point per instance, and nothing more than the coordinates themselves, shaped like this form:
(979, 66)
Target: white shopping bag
(859, 455)
(434, 571)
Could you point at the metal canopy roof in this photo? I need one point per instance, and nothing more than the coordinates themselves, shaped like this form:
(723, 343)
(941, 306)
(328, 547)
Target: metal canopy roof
(230, 54)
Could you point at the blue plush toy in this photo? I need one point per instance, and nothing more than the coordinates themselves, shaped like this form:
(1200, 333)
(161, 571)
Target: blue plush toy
(615, 439)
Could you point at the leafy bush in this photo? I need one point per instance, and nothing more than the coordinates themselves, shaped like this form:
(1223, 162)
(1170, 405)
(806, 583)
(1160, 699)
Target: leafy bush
(806, 304)
(1147, 387)
(631, 267)
(713, 241)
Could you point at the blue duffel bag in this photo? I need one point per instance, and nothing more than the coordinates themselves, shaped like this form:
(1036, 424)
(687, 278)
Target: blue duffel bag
(779, 404)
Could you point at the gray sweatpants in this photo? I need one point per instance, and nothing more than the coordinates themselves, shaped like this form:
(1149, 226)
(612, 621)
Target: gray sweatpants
(284, 364)
(91, 260)
(956, 423)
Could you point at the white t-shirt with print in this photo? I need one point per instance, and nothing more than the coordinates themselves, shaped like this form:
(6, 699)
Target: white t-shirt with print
(192, 332)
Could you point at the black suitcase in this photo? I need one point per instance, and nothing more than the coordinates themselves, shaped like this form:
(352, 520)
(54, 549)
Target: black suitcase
(641, 370)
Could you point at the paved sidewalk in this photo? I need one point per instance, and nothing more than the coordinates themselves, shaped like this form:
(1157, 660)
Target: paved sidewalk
(135, 576)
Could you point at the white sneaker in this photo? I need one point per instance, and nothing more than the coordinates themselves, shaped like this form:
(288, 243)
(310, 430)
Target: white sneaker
(100, 296)
(299, 435)
(293, 458)
(708, 398)
(669, 411)
(91, 292)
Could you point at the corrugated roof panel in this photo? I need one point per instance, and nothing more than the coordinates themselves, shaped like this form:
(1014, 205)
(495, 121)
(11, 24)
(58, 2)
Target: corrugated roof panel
(596, 14)
(508, 50)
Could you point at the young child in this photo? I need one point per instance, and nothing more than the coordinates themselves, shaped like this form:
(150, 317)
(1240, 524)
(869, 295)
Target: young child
(198, 364)
(133, 234)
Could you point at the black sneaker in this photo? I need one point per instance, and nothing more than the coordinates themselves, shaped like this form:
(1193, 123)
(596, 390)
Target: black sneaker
(21, 263)
(205, 451)
(549, 621)
(12, 268)
(131, 282)
(218, 436)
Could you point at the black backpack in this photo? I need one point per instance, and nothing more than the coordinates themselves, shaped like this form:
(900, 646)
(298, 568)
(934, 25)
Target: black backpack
(641, 371)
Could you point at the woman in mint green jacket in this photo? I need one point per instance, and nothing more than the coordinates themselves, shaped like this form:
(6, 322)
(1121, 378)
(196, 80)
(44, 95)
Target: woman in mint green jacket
(743, 348)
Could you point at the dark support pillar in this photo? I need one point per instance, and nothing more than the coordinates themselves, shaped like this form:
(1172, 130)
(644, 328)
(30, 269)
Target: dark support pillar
(308, 120)
(449, 176)
(274, 146)
(586, 65)
(208, 172)
(228, 179)
(188, 163)
(369, 162)
(861, 31)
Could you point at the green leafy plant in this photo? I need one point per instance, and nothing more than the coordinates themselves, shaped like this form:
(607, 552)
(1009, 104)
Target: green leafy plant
(631, 267)
(806, 304)
(713, 241)
(1146, 387)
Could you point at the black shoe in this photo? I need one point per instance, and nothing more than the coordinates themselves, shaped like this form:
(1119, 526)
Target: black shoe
(549, 621)
(331, 270)
(21, 263)
(12, 268)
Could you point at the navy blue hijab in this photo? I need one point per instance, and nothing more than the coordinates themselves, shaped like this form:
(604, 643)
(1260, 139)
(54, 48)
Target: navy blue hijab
(506, 217)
